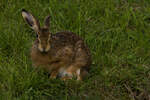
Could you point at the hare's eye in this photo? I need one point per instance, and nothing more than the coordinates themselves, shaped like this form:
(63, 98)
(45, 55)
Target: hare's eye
(36, 35)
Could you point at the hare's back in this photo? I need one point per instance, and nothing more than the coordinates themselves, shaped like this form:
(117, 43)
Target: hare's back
(74, 46)
(68, 41)
(62, 39)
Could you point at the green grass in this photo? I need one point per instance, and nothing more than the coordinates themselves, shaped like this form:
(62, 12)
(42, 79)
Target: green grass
(116, 31)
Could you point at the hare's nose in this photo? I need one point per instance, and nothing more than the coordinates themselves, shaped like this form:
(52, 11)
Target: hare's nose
(44, 52)
(44, 49)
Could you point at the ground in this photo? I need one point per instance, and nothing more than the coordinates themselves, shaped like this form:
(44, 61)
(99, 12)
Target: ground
(116, 31)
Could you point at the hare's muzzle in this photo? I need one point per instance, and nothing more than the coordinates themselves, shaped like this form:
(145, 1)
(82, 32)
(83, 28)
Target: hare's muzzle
(44, 48)
(44, 52)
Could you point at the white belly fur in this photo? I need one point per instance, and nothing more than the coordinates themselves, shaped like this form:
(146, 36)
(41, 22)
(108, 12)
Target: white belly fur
(63, 72)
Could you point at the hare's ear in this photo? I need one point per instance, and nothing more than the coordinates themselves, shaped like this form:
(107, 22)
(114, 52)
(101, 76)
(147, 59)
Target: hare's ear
(47, 22)
(34, 24)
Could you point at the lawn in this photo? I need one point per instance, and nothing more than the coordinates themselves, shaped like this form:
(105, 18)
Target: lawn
(116, 31)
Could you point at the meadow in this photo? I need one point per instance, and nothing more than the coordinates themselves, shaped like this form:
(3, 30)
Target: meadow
(116, 31)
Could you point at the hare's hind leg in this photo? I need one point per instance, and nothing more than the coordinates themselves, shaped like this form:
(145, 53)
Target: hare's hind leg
(80, 63)
(79, 73)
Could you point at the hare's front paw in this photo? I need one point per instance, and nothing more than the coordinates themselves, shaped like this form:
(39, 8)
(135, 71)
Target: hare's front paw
(54, 74)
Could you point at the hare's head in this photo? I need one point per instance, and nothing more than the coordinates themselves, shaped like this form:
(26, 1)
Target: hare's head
(43, 34)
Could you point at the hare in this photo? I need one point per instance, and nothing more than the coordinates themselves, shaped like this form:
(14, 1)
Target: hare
(62, 54)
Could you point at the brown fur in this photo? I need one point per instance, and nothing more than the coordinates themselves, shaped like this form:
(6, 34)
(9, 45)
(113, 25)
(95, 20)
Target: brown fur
(67, 54)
